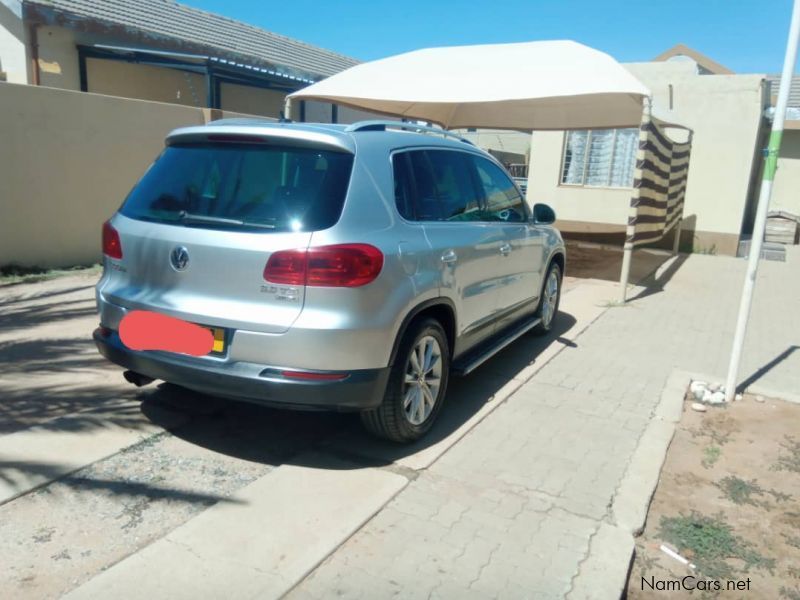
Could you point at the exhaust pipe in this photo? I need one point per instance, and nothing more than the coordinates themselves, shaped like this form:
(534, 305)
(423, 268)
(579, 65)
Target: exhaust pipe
(137, 379)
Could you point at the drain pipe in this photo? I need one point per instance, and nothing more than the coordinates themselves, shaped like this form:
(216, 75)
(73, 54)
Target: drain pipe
(33, 35)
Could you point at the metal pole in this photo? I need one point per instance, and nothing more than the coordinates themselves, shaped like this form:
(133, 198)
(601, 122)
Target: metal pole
(630, 230)
(677, 241)
(626, 270)
(770, 165)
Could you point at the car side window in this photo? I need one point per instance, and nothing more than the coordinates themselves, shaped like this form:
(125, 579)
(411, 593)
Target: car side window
(403, 186)
(503, 200)
(427, 205)
(455, 185)
(436, 185)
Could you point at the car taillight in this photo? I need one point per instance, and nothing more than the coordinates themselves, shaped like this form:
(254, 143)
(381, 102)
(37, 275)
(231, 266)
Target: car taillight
(112, 247)
(286, 266)
(340, 265)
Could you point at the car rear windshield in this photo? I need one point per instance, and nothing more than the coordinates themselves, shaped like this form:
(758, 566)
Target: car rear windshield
(250, 187)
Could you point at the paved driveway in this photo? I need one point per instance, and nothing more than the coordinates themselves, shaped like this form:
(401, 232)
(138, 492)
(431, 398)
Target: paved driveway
(92, 470)
(108, 491)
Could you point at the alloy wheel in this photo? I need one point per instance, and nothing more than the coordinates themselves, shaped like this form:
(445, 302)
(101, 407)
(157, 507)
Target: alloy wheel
(550, 298)
(423, 377)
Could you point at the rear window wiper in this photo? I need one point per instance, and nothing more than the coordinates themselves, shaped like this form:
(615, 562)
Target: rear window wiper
(187, 217)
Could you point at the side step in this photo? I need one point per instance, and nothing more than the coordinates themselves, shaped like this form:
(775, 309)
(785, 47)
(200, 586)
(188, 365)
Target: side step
(466, 364)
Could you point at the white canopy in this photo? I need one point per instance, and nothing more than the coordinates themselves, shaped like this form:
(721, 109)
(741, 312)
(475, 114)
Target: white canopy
(526, 86)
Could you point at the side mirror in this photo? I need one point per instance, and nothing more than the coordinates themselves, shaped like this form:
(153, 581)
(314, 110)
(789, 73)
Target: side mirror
(543, 214)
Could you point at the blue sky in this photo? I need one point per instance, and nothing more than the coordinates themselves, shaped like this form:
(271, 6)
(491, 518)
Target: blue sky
(747, 36)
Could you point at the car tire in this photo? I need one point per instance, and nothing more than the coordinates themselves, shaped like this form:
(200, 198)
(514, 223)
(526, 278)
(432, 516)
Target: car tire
(411, 403)
(549, 300)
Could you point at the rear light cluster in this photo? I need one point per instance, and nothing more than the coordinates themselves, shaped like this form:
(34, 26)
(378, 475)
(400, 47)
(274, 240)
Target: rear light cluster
(112, 247)
(340, 265)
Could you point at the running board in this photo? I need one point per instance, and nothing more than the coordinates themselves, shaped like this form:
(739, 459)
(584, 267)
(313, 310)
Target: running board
(467, 364)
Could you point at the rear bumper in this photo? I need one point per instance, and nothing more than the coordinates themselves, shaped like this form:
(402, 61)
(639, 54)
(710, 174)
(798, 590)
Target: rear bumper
(261, 384)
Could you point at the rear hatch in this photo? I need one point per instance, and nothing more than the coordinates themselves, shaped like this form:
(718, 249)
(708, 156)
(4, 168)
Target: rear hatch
(198, 229)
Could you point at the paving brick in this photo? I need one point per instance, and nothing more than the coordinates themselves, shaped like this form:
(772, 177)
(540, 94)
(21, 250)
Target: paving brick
(518, 500)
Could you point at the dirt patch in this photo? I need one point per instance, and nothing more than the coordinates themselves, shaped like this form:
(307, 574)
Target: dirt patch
(62, 535)
(605, 262)
(14, 274)
(728, 500)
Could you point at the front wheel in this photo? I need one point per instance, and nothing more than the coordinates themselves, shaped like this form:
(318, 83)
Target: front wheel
(417, 385)
(549, 300)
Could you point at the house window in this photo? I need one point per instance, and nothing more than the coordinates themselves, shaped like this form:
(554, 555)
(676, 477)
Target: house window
(600, 157)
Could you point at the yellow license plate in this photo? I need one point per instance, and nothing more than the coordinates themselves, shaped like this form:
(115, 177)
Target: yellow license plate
(219, 339)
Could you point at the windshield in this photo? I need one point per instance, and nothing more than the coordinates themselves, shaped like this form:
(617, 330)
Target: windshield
(243, 187)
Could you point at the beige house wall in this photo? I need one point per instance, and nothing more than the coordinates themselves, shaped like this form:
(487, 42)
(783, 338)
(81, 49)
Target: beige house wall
(252, 100)
(129, 80)
(786, 189)
(725, 113)
(58, 58)
(13, 57)
(515, 142)
(67, 161)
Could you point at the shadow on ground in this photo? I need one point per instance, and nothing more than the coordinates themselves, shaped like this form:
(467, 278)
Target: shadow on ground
(271, 436)
(46, 379)
(26, 316)
(655, 282)
(763, 370)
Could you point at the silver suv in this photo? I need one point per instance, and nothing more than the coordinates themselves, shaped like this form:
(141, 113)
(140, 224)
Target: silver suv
(338, 267)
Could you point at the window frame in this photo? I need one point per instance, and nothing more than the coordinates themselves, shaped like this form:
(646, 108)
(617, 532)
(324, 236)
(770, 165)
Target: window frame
(583, 184)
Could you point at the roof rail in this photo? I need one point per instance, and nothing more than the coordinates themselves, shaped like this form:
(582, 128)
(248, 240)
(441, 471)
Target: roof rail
(380, 125)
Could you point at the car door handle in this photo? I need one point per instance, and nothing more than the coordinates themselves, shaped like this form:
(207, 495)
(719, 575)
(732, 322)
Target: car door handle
(449, 257)
(505, 249)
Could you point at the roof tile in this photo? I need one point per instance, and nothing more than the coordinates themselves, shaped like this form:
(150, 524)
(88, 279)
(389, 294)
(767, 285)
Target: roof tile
(170, 19)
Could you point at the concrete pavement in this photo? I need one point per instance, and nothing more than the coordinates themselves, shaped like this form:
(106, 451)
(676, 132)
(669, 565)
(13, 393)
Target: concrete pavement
(531, 484)
(524, 506)
(273, 532)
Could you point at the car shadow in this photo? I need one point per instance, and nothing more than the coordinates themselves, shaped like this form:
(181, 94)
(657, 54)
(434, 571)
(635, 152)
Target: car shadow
(312, 439)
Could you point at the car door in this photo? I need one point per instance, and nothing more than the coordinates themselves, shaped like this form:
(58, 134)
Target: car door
(522, 250)
(464, 248)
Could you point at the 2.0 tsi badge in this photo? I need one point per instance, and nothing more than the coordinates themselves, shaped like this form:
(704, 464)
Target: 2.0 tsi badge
(179, 258)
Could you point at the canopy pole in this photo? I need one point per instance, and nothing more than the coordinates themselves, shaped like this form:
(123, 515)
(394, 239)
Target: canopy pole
(630, 231)
(677, 241)
(770, 166)
(626, 270)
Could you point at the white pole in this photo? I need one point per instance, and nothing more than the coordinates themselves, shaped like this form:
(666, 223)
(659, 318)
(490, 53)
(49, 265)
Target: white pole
(770, 165)
(677, 241)
(626, 270)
